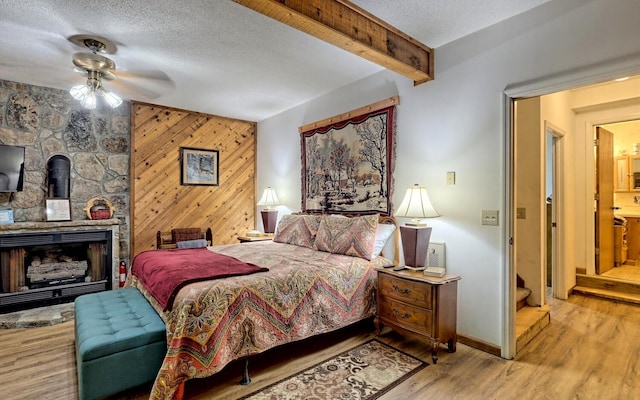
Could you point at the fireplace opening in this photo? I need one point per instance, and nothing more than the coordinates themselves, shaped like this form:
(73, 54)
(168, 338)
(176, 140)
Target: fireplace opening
(60, 264)
(52, 267)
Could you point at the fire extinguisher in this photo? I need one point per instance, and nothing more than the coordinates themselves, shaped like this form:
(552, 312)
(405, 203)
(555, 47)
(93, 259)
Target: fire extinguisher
(123, 273)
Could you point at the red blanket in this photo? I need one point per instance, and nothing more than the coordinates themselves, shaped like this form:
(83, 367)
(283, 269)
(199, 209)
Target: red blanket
(164, 272)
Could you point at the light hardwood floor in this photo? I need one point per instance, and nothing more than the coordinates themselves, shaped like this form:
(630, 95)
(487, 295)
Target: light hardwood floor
(588, 351)
(628, 272)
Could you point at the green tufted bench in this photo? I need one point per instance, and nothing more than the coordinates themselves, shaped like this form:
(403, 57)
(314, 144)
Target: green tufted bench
(120, 342)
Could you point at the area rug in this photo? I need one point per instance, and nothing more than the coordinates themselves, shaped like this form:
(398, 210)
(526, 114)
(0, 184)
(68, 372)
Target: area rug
(37, 317)
(365, 372)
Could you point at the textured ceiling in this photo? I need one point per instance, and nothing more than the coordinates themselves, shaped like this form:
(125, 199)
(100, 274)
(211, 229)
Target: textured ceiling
(215, 56)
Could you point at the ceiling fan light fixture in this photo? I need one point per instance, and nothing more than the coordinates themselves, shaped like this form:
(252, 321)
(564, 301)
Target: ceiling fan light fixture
(112, 99)
(86, 94)
(89, 100)
(79, 92)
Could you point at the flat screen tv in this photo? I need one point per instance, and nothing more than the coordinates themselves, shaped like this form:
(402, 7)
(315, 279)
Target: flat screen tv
(11, 168)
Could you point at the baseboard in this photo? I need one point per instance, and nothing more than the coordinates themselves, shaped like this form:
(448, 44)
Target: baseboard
(480, 345)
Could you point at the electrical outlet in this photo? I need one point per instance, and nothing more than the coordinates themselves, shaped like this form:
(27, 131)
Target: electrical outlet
(490, 217)
(451, 178)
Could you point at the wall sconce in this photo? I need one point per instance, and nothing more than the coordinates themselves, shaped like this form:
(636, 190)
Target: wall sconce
(269, 214)
(416, 234)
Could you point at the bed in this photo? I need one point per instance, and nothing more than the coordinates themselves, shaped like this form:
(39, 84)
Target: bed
(320, 276)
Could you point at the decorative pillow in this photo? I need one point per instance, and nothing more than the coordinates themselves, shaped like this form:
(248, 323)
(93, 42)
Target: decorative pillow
(192, 244)
(349, 236)
(297, 229)
(383, 233)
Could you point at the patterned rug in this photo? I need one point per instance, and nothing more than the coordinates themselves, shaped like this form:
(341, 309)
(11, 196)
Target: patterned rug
(365, 372)
(37, 317)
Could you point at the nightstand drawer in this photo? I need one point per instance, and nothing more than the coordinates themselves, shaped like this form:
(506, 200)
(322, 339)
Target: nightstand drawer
(410, 317)
(416, 293)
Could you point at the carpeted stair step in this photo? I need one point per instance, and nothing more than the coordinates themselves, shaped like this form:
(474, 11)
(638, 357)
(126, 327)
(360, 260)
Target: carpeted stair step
(521, 297)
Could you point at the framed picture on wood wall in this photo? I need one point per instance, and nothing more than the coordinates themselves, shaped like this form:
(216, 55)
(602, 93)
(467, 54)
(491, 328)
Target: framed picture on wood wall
(57, 209)
(199, 167)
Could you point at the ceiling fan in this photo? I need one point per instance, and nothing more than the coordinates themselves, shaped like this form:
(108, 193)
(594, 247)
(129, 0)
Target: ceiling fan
(100, 67)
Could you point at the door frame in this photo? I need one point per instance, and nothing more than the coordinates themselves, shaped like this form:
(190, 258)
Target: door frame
(591, 121)
(545, 85)
(558, 278)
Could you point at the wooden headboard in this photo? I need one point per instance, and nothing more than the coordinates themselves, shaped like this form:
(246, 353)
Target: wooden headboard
(396, 237)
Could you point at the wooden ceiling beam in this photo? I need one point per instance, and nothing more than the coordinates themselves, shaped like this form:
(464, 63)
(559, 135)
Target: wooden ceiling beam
(343, 24)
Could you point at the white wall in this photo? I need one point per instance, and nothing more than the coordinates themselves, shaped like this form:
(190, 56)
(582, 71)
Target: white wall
(456, 123)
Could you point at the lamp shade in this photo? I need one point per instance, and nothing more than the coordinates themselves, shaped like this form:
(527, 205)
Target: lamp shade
(112, 99)
(416, 204)
(79, 92)
(269, 198)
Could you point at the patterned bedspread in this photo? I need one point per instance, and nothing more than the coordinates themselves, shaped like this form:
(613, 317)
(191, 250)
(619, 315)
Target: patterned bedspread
(304, 293)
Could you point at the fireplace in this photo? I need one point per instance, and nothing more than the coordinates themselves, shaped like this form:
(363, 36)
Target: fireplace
(44, 265)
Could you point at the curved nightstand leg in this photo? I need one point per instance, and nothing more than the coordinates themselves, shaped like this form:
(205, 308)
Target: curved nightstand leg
(434, 352)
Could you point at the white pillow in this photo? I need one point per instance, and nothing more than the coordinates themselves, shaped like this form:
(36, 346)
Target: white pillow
(383, 233)
(192, 244)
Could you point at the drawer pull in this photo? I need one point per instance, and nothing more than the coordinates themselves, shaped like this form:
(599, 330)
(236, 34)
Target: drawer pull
(401, 315)
(402, 291)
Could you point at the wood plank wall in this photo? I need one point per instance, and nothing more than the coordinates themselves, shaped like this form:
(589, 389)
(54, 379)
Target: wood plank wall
(159, 202)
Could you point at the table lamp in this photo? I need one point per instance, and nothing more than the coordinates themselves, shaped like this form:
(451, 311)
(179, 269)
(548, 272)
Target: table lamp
(269, 214)
(416, 234)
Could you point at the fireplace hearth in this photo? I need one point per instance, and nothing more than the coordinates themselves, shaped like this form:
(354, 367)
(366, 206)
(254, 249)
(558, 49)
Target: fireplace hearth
(41, 264)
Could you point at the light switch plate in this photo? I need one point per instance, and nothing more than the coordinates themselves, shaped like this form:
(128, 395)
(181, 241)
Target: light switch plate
(490, 217)
(451, 178)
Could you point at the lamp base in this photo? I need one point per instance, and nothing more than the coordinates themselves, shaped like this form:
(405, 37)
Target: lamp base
(269, 218)
(415, 243)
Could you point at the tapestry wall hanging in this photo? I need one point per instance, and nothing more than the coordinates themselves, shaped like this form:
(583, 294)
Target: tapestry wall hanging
(348, 161)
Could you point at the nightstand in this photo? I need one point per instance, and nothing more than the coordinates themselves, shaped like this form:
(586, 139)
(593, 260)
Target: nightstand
(418, 305)
(246, 239)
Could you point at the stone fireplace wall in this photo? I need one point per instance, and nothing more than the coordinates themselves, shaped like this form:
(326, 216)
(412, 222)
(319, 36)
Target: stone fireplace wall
(50, 122)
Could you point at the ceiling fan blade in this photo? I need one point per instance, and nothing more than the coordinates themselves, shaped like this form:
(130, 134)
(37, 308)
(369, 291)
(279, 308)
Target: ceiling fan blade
(157, 77)
(150, 84)
(63, 76)
(41, 41)
(133, 90)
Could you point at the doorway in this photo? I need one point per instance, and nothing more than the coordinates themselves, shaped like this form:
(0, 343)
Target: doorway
(626, 201)
(572, 245)
(538, 199)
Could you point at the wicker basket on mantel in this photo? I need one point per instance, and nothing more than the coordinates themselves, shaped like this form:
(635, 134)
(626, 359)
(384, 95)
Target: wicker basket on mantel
(99, 208)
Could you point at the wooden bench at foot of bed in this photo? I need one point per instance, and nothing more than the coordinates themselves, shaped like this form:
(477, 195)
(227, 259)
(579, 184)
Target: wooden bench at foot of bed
(120, 342)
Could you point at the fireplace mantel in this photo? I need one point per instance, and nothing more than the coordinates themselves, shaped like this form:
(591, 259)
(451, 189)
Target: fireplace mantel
(28, 227)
